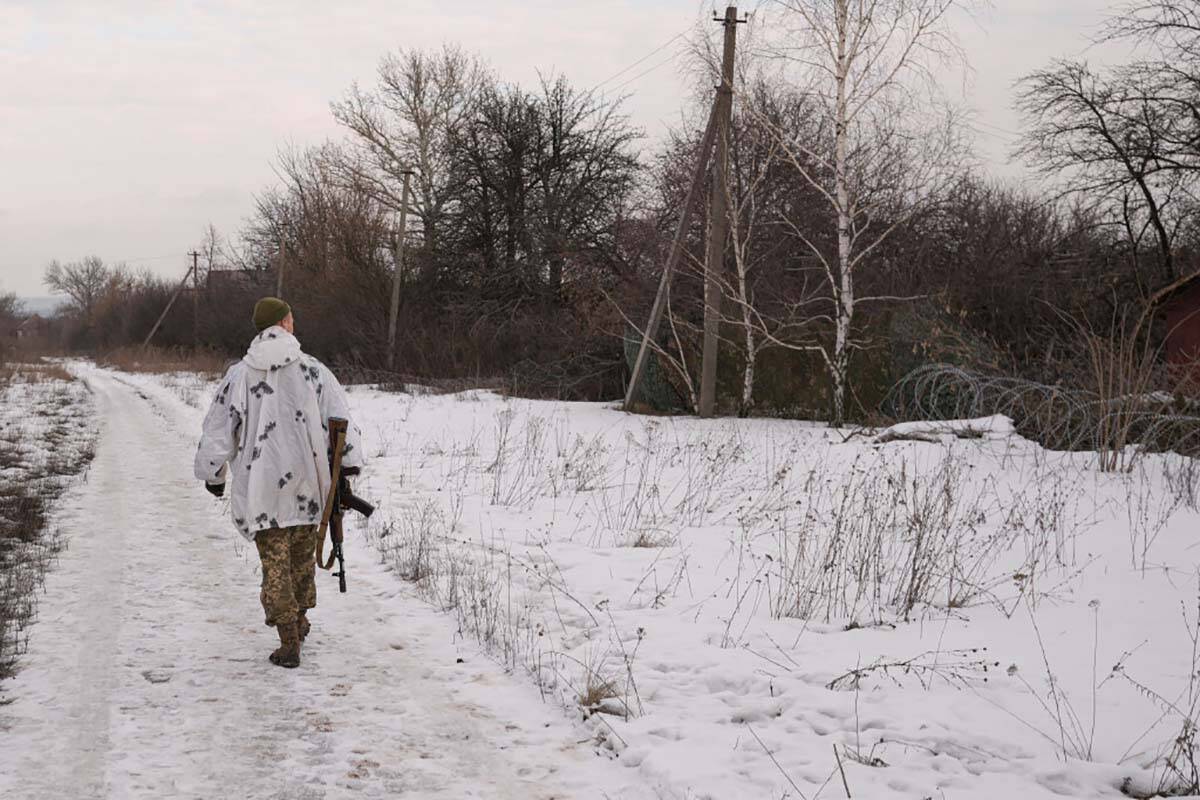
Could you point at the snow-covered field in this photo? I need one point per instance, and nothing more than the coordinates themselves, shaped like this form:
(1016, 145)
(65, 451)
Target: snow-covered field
(767, 609)
(747, 603)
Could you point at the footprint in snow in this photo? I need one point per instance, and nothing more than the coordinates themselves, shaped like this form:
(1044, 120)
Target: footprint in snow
(156, 675)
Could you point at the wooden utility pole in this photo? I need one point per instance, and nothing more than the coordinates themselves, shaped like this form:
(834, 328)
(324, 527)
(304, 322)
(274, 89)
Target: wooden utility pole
(398, 257)
(171, 302)
(279, 268)
(195, 299)
(718, 219)
(664, 283)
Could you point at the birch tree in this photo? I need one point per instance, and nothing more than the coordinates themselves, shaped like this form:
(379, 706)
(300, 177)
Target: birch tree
(770, 303)
(887, 143)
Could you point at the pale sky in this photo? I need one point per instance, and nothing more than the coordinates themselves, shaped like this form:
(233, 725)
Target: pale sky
(127, 126)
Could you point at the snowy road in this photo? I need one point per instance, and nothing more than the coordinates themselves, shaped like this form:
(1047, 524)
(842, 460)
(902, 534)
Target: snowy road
(147, 674)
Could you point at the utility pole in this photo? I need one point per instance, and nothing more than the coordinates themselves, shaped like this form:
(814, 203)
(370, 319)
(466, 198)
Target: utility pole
(195, 299)
(398, 257)
(718, 219)
(664, 283)
(171, 302)
(279, 268)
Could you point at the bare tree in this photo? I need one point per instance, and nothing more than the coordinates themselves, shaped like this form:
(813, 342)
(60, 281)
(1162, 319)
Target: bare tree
(882, 150)
(212, 252)
(422, 100)
(1102, 134)
(1128, 137)
(1170, 25)
(11, 306)
(84, 282)
(585, 169)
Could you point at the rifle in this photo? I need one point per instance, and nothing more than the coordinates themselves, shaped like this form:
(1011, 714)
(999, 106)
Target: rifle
(340, 499)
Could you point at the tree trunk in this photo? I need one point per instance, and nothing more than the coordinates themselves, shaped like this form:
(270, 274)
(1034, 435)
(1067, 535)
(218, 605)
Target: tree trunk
(748, 329)
(844, 293)
(556, 276)
(748, 374)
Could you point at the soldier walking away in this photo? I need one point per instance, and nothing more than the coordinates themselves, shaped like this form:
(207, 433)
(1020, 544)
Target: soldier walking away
(267, 431)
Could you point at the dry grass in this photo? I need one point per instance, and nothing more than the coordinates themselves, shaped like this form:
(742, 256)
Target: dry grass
(22, 509)
(410, 383)
(651, 538)
(34, 372)
(165, 359)
(43, 446)
(596, 690)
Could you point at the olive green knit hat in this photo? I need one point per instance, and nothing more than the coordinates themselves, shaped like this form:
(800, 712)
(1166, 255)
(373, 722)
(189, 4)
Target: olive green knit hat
(270, 311)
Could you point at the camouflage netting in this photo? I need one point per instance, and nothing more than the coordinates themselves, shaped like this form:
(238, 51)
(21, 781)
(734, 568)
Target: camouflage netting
(922, 333)
(655, 391)
(796, 384)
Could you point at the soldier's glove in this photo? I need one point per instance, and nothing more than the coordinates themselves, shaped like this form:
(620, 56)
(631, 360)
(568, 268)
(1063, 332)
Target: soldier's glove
(350, 472)
(215, 489)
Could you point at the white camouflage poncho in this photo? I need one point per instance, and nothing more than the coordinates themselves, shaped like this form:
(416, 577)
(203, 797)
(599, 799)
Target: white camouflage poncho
(269, 423)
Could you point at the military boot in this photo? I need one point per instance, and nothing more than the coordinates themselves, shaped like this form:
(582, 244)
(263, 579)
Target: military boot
(304, 626)
(288, 654)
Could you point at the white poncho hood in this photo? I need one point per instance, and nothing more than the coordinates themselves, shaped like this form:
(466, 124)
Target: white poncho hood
(269, 423)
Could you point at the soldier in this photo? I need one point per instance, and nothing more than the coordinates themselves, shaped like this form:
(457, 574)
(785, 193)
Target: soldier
(268, 426)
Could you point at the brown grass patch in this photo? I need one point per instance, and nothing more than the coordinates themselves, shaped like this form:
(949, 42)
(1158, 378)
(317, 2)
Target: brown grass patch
(34, 372)
(165, 359)
(596, 690)
(402, 382)
(651, 538)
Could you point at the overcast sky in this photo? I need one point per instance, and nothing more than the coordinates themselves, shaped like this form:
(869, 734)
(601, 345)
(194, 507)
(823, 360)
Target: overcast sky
(126, 127)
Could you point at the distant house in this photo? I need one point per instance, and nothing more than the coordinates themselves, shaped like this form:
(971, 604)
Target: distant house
(1180, 311)
(219, 280)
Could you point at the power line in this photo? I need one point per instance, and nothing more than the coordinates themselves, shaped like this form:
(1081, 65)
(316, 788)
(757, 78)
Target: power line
(149, 258)
(1005, 136)
(642, 74)
(643, 60)
(998, 128)
(998, 131)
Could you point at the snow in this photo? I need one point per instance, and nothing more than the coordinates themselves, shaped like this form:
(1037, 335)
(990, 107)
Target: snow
(147, 674)
(997, 426)
(61, 412)
(714, 577)
(565, 491)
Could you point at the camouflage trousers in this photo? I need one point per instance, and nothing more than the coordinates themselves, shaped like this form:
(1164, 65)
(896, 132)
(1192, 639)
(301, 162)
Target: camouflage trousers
(288, 572)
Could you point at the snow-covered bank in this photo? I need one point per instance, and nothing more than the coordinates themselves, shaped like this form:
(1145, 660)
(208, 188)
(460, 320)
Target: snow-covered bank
(47, 435)
(737, 605)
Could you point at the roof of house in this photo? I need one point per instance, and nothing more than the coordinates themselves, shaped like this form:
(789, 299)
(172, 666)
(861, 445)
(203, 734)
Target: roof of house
(238, 278)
